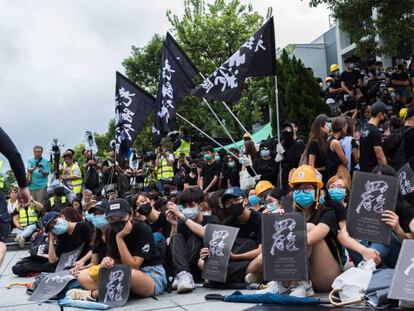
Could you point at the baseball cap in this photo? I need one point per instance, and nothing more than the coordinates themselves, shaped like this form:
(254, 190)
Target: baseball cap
(118, 207)
(410, 113)
(48, 218)
(379, 107)
(99, 206)
(232, 192)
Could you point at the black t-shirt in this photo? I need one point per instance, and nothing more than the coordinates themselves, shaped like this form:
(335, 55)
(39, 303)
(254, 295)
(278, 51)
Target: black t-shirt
(161, 225)
(405, 216)
(340, 210)
(109, 173)
(350, 78)
(140, 243)
(332, 159)
(252, 229)
(208, 171)
(370, 138)
(82, 233)
(316, 149)
(409, 143)
(100, 250)
(402, 76)
(183, 229)
(191, 181)
(328, 217)
(267, 169)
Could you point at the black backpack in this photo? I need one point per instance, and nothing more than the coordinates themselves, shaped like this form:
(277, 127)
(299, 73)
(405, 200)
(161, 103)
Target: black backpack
(92, 179)
(394, 148)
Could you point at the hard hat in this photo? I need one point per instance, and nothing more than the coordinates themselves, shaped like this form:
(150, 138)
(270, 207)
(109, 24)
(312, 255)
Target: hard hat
(328, 79)
(305, 174)
(247, 135)
(263, 186)
(403, 113)
(334, 67)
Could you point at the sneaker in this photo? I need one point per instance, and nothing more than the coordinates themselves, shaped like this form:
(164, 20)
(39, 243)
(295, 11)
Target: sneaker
(274, 287)
(17, 238)
(185, 282)
(303, 289)
(80, 294)
(22, 242)
(174, 284)
(251, 278)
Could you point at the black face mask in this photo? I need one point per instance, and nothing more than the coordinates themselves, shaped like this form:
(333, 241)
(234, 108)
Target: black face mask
(145, 209)
(236, 209)
(117, 227)
(287, 137)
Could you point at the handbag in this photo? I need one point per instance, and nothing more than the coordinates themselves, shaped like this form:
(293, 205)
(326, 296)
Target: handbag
(246, 180)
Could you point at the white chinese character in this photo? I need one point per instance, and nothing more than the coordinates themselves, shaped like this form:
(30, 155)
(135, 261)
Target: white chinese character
(126, 95)
(236, 59)
(167, 70)
(260, 44)
(207, 85)
(249, 44)
(227, 80)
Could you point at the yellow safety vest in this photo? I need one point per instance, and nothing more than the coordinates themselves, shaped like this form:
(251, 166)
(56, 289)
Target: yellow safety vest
(76, 183)
(165, 171)
(1, 176)
(28, 217)
(52, 201)
(185, 147)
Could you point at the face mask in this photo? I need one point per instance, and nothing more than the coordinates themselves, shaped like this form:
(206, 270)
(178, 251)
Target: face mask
(254, 200)
(337, 194)
(193, 170)
(264, 153)
(118, 226)
(304, 199)
(89, 217)
(145, 209)
(287, 137)
(99, 221)
(190, 212)
(232, 164)
(207, 157)
(322, 200)
(61, 227)
(207, 213)
(217, 158)
(236, 209)
(271, 207)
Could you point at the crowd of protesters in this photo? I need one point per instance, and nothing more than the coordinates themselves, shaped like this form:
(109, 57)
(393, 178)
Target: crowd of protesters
(150, 212)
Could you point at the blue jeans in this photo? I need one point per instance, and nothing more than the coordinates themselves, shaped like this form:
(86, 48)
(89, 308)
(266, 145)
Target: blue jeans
(158, 275)
(389, 253)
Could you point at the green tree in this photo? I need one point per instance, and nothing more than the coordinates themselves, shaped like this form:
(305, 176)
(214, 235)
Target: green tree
(9, 181)
(394, 23)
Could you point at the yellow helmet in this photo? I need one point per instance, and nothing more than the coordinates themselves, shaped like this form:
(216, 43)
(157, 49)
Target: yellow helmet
(305, 174)
(247, 135)
(263, 186)
(403, 113)
(328, 79)
(334, 67)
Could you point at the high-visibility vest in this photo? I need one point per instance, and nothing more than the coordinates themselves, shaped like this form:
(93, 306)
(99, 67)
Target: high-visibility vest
(165, 171)
(185, 147)
(1, 176)
(150, 176)
(52, 201)
(76, 183)
(27, 217)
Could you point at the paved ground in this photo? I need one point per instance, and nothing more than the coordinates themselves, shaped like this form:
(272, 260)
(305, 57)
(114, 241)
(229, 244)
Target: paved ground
(15, 299)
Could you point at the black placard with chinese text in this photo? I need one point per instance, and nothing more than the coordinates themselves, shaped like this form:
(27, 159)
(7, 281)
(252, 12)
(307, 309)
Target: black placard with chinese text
(114, 285)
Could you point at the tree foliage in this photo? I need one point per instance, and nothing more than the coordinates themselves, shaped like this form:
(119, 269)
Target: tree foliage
(394, 23)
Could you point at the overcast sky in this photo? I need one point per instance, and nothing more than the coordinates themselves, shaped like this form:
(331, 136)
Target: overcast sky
(58, 58)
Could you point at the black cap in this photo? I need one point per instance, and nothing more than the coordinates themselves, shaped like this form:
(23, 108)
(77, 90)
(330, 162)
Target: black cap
(118, 207)
(99, 206)
(48, 218)
(379, 107)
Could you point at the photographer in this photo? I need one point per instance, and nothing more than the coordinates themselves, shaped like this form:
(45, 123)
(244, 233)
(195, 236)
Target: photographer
(91, 167)
(110, 170)
(38, 170)
(164, 167)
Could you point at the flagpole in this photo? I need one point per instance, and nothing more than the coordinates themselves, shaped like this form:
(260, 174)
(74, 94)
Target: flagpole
(205, 134)
(277, 113)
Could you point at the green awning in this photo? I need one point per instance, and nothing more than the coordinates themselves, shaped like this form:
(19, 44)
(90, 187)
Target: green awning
(264, 133)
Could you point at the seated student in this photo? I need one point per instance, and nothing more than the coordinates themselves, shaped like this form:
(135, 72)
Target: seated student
(248, 244)
(254, 201)
(324, 252)
(129, 243)
(24, 220)
(273, 198)
(186, 238)
(57, 202)
(401, 222)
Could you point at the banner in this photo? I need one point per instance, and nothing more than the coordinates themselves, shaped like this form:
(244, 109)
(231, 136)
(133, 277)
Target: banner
(115, 285)
(219, 240)
(284, 247)
(371, 195)
(256, 57)
(406, 179)
(132, 107)
(174, 83)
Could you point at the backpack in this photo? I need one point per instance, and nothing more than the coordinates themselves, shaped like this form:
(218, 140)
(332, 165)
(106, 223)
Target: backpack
(92, 179)
(394, 148)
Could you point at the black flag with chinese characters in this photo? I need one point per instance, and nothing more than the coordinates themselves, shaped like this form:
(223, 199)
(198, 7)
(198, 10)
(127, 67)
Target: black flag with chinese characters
(255, 58)
(132, 107)
(175, 83)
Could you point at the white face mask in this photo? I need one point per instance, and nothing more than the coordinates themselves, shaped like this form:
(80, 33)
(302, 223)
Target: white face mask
(207, 213)
(190, 212)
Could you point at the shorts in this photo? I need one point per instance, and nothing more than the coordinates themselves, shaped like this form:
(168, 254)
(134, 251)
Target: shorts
(5, 229)
(157, 274)
(93, 273)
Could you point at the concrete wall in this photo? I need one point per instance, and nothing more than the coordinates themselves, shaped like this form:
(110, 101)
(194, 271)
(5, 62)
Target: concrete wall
(313, 56)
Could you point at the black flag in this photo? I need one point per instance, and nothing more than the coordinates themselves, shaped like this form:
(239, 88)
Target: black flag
(132, 107)
(256, 57)
(175, 83)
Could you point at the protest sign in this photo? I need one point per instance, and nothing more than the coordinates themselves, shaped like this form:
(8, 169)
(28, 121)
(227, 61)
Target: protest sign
(51, 285)
(114, 285)
(406, 179)
(67, 260)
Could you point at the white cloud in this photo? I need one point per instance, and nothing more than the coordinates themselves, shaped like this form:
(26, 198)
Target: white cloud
(58, 58)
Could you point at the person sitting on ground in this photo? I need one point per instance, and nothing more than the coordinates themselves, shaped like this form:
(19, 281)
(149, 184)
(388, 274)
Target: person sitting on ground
(186, 238)
(56, 202)
(273, 200)
(130, 243)
(24, 220)
(254, 201)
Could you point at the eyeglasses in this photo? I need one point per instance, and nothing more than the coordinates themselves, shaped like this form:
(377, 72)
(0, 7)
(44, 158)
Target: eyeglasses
(305, 189)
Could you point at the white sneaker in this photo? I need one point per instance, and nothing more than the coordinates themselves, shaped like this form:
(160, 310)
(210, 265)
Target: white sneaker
(17, 238)
(185, 282)
(174, 284)
(251, 278)
(274, 287)
(22, 242)
(303, 289)
(80, 294)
